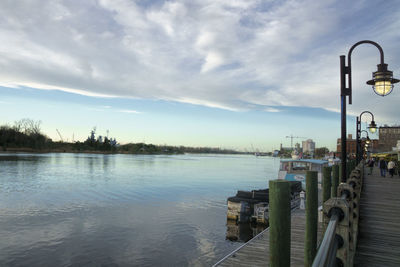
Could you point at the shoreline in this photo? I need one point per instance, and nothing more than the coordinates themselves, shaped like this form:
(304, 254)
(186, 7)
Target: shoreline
(61, 151)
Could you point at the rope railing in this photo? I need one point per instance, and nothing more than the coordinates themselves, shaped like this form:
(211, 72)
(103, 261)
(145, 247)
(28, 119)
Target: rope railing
(341, 223)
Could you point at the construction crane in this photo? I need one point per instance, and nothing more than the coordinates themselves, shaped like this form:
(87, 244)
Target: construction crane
(294, 137)
(59, 135)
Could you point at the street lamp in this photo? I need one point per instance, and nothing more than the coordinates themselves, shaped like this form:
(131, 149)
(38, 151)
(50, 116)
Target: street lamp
(366, 144)
(382, 83)
(372, 129)
(383, 80)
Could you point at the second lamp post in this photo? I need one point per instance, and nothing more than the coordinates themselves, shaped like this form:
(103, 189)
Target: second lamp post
(372, 129)
(382, 83)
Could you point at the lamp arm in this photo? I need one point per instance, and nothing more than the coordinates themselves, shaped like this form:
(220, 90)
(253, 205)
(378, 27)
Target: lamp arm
(348, 68)
(366, 42)
(367, 112)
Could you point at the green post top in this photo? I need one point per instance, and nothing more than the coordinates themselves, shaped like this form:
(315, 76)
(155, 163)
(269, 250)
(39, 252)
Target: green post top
(279, 223)
(335, 179)
(310, 248)
(326, 184)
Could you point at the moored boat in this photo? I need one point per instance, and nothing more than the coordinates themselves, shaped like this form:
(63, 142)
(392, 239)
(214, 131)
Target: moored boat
(252, 206)
(296, 169)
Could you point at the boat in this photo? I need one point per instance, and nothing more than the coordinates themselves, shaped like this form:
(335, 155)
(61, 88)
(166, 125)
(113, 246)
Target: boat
(252, 206)
(333, 161)
(296, 169)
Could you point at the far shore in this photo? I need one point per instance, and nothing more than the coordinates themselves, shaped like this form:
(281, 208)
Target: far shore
(44, 151)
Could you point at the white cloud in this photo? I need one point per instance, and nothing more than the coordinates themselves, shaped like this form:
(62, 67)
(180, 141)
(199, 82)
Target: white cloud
(129, 111)
(213, 60)
(226, 54)
(270, 109)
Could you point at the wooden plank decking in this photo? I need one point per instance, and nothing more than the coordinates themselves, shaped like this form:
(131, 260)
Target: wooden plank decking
(379, 226)
(255, 252)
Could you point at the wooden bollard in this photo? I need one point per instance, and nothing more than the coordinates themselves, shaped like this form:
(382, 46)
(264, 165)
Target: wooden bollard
(310, 247)
(335, 180)
(279, 223)
(348, 168)
(326, 184)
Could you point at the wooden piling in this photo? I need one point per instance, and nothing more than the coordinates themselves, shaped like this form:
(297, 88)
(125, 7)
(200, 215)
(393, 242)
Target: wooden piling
(326, 184)
(335, 179)
(279, 223)
(310, 247)
(348, 169)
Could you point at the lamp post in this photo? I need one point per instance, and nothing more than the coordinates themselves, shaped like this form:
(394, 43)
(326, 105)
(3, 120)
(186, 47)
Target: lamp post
(372, 129)
(367, 141)
(382, 83)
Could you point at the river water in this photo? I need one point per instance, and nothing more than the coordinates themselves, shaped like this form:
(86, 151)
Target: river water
(121, 210)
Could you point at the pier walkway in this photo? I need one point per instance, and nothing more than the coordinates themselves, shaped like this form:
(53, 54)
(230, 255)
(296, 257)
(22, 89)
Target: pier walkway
(256, 251)
(379, 225)
(375, 231)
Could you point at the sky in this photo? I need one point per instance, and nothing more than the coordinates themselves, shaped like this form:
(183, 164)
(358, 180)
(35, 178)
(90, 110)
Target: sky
(223, 73)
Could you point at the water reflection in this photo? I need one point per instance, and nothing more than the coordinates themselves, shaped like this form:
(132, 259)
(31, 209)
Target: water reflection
(242, 232)
(120, 210)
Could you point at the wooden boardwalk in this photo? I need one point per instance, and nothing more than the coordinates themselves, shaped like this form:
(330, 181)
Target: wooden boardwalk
(379, 226)
(256, 251)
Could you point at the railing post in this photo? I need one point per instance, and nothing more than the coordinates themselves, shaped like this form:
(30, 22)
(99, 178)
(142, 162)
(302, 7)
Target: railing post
(311, 217)
(342, 229)
(355, 181)
(335, 179)
(326, 184)
(345, 209)
(279, 223)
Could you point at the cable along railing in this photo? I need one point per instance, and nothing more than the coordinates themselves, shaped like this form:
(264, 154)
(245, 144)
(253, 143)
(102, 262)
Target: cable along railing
(340, 217)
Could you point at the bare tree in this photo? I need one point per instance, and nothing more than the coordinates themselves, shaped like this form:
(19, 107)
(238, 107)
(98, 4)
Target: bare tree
(27, 126)
(34, 126)
(18, 126)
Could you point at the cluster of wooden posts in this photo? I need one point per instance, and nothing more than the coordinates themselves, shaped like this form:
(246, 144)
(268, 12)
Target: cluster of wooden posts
(340, 218)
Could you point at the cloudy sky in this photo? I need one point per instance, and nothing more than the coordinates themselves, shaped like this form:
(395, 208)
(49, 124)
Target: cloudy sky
(226, 73)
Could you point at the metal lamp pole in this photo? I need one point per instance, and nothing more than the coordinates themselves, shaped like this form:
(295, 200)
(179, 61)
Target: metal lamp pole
(366, 142)
(382, 83)
(371, 127)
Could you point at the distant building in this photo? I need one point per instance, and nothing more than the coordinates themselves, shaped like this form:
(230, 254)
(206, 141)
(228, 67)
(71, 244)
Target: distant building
(308, 146)
(351, 145)
(287, 149)
(388, 137)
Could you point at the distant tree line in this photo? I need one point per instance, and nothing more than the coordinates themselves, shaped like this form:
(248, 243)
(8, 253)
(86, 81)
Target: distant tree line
(98, 143)
(142, 148)
(26, 134)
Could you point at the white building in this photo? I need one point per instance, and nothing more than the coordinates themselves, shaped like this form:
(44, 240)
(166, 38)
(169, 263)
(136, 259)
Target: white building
(308, 146)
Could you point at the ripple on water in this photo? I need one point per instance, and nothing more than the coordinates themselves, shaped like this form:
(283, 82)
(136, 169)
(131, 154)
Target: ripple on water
(79, 209)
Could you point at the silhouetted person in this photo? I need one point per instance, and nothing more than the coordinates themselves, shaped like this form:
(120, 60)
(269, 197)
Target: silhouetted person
(382, 167)
(390, 167)
(371, 165)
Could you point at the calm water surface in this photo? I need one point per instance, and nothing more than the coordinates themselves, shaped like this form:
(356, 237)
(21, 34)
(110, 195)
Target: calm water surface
(121, 210)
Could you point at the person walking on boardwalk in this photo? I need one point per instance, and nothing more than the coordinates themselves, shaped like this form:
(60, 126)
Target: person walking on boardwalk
(382, 167)
(371, 166)
(390, 167)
